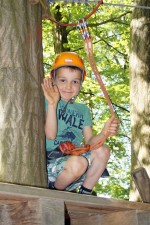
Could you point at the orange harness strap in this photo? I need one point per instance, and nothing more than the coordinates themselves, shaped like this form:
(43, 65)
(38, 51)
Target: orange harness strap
(68, 148)
(89, 50)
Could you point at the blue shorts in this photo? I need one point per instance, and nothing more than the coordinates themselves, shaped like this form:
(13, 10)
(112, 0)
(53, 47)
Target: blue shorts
(56, 166)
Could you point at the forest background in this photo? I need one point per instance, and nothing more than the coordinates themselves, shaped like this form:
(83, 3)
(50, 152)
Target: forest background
(109, 27)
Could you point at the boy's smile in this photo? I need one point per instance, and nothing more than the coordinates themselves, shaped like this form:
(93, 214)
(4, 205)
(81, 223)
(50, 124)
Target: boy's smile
(68, 82)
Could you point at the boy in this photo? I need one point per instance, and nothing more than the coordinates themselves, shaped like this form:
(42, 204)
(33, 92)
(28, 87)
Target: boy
(67, 120)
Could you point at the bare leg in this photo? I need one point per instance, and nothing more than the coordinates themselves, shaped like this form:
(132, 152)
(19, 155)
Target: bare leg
(99, 160)
(75, 167)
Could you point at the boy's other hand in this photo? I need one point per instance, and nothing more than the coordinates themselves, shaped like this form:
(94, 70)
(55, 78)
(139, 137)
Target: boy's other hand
(111, 126)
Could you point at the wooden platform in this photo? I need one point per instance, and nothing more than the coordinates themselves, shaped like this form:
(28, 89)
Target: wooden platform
(22, 205)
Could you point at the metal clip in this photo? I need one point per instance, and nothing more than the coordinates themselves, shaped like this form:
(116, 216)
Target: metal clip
(81, 29)
(82, 25)
(85, 29)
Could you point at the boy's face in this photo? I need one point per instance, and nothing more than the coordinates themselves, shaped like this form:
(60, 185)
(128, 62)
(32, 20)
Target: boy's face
(68, 82)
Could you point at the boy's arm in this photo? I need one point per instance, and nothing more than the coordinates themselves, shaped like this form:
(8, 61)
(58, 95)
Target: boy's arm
(52, 95)
(51, 122)
(111, 126)
(89, 138)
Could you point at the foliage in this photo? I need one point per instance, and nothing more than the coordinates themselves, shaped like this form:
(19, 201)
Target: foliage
(110, 30)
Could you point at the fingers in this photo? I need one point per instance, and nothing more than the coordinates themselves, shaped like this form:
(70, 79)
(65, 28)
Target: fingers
(48, 86)
(111, 126)
(47, 82)
(50, 91)
(55, 88)
(45, 92)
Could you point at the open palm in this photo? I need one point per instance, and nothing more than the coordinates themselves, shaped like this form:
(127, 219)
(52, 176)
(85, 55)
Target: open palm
(51, 91)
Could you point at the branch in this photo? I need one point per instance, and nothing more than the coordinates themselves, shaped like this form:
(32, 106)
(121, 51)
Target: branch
(111, 47)
(120, 107)
(76, 50)
(109, 20)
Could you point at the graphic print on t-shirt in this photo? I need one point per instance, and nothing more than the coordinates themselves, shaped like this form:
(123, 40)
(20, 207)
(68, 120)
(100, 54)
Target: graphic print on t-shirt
(70, 123)
(71, 118)
(67, 134)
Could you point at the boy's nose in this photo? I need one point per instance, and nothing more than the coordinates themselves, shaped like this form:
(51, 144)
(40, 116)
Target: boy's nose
(68, 86)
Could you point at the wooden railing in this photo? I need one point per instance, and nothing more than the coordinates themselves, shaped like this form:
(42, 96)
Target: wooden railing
(23, 205)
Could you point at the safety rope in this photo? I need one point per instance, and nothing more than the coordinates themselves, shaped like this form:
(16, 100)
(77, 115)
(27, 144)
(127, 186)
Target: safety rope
(89, 50)
(75, 24)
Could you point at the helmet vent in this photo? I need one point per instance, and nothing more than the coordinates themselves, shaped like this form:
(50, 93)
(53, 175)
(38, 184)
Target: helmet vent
(68, 60)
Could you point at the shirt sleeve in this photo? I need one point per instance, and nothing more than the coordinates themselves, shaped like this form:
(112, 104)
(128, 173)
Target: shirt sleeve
(87, 117)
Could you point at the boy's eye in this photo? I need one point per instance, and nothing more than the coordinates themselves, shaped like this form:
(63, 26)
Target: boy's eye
(76, 82)
(62, 80)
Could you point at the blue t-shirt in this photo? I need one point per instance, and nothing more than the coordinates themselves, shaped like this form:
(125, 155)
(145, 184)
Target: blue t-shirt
(72, 118)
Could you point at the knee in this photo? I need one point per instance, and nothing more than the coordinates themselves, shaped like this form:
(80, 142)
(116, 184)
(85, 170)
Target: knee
(106, 150)
(103, 152)
(78, 165)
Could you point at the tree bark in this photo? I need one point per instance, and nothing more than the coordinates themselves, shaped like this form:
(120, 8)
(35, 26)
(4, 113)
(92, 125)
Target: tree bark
(59, 34)
(140, 90)
(22, 139)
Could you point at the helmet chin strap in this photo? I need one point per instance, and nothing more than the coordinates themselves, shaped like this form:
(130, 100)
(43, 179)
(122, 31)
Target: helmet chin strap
(70, 101)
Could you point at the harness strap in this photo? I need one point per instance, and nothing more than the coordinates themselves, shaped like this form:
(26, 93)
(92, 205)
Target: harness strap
(88, 46)
(68, 148)
(89, 50)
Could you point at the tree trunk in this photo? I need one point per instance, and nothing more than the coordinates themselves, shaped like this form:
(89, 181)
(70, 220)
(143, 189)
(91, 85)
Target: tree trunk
(59, 34)
(140, 90)
(22, 139)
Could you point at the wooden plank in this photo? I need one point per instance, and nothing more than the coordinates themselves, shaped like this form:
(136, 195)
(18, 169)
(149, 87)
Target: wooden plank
(80, 208)
(15, 212)
(80, 215)
(123, 218)
(24, 192)
(143, 217)
(32, 212)
(117, 218)
(86, 220)
(52, 211)
(141, 177)
(30, 206)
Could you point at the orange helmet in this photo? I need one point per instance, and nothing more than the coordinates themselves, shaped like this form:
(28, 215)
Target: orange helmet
(68, 59)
